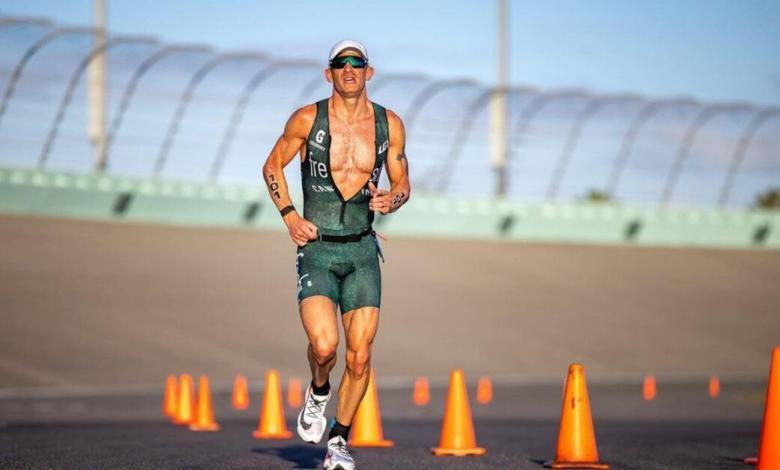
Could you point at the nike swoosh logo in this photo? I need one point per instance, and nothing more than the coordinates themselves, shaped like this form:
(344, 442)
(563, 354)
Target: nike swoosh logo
(304, 425)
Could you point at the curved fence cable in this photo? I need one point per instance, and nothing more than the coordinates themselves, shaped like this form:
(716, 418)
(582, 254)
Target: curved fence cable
(419, 102)
(594, 105)
(132, 85)
(686, 143)
(425, 95)
(10, 87)
(74, 80)
(7, 22)
(186, 97)
(464, 131)
(533, 109)
(241, 104)
(759, 119)
(642, 116)
(461, 136)
(308, 89)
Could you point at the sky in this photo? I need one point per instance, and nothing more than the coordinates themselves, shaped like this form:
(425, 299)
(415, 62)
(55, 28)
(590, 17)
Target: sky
(713, 50)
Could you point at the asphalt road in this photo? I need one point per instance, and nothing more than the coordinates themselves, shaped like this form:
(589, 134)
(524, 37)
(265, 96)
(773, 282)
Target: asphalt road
(682, 428)
(511, 444)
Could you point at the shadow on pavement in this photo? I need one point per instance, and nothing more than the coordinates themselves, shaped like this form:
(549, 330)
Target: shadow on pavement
(300, 455)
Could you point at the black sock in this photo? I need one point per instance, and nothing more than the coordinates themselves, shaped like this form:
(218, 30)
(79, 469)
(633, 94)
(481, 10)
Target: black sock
(322, 390)
(338, 429)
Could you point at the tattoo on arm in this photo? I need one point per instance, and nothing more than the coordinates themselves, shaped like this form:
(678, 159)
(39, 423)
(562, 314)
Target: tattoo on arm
(273, 186)
(398, 200)
(401, 157)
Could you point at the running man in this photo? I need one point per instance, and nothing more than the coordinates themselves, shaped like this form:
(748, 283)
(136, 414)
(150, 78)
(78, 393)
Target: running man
(344, 142)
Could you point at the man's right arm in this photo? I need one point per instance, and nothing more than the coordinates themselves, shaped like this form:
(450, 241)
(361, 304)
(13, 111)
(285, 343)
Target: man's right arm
(287, 146)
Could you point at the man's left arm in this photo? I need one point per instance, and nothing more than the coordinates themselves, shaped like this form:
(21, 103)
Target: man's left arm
(397, 170)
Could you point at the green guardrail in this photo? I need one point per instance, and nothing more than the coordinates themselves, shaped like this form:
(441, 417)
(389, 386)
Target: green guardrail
(170, 202)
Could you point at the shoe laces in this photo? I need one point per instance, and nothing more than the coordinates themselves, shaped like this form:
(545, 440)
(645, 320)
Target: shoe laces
(340, 447)
(314, 406)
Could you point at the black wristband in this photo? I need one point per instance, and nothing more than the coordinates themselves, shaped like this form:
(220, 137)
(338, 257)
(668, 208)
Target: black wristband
(286, 210)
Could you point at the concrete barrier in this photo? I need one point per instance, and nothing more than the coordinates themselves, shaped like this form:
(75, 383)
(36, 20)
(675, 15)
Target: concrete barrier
(192, 203)
(28, 192)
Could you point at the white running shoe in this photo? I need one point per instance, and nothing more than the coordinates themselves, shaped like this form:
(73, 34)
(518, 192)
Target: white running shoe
(338, 456)
(311, 419)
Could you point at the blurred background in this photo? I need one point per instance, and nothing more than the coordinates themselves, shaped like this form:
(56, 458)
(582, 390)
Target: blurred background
(649, 103)
(593, 182)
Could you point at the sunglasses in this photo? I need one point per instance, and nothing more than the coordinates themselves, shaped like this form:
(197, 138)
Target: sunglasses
(355, 62)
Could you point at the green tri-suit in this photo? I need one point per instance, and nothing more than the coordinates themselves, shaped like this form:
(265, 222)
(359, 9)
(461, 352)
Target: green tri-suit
(343, 263)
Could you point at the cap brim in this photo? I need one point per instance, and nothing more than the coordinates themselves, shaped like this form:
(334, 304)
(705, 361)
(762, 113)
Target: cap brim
(352, 49)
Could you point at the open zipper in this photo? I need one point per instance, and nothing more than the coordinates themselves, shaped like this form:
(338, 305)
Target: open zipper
(330, 173)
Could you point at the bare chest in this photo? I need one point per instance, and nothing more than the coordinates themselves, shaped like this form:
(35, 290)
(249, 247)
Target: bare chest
(352, 148)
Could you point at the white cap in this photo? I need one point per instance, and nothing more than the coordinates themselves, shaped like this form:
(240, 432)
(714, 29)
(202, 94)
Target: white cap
(339, 47)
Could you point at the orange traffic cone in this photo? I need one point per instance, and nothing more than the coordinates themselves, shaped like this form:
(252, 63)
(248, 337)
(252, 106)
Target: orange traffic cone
(171, 395)
(367, 425)
(484, 390)
(204, 417)
(294, 394)
(185, 412)
(422, 394)
(648, 388)
(576, 439)
(714, 387)
(240, 393)
(272, 425)
(769, 450)
(457, 431)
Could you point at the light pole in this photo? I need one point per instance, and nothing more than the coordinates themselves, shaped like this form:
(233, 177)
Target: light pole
(96, 90)
(498, 103)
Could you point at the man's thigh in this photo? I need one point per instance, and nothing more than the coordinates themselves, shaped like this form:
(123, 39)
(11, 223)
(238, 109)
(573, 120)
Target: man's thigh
(360, 326)
(318, 314)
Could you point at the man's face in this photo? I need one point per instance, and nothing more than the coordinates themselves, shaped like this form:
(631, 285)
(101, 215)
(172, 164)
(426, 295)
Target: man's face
(349, 81)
